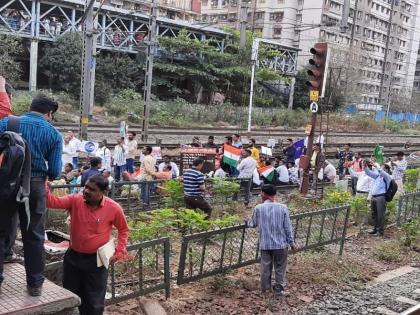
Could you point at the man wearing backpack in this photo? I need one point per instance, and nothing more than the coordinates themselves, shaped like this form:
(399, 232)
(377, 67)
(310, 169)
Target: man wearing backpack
(45, 145)
(381, 184)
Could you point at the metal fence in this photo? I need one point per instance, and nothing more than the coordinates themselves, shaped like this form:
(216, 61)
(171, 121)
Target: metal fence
(408, 207)
(209, 253)
(147, 272)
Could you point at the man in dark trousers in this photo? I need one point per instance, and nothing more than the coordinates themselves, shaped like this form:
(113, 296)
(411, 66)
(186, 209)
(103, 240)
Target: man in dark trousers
(92, 217)
(46, 146)
(276, 236)
(382, 180)
(194, 187)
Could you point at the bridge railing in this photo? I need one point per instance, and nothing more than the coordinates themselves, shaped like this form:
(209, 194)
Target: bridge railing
(408, 207)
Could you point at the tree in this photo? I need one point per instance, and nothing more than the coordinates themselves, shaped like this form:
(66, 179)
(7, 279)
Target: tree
(11, 47)
(62, 63)
(301, 96)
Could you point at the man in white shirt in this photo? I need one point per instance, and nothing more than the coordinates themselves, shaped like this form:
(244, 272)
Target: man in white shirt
(283, 173)
(76, 147)
(105, 154)
(167, 161)
(399, 165)
(364, 185)
(247, 166)
(119, 158)
(330, 172)
(68, 151)
(131, 152)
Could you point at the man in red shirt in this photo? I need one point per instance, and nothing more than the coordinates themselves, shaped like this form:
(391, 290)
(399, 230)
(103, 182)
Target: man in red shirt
(92, 217)
(5, 96)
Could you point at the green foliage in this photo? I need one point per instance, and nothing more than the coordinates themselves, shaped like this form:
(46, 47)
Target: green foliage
(226, 220)
(62, 62)
(10, 49)
(335, 197)
(389, 251)
(175, 198)
(391, 210)
(411, 179)
(359, 209)
(21, 103)
(301, 96)
(411, 232)
(223, 188)
(193, 221)
(125, 103)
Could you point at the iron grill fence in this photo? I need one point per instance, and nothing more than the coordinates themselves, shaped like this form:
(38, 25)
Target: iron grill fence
(408, 207)
(147, 272)
(210, 253)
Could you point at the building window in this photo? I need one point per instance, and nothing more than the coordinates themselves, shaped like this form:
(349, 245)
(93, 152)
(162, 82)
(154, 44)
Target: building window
(259, 15)
(277, 31)
(276, 16)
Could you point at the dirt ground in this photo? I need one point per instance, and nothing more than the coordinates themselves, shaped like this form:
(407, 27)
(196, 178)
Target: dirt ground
(310, 276)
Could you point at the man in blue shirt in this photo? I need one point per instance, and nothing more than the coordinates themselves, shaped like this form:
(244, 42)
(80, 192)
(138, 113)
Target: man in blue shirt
(276, 236)
(46, 145)
(95, 165)
(194, 188)
(382, 180)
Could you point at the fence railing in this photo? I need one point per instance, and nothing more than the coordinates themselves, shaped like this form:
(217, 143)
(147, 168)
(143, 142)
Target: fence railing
(142, 274)
(408, 207)
(209, 253)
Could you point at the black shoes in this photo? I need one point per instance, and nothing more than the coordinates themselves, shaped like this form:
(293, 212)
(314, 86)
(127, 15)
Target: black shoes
(35, 291)
(373, 231)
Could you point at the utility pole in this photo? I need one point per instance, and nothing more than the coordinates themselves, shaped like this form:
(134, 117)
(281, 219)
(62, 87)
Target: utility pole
(243, 20)
(345, 16)
(149, 70)
(388, 35)
(88, 68)
(353, 29)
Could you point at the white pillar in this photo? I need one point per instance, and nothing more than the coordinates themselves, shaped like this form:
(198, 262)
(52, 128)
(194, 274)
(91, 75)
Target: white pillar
(291, 92)
(33, 66)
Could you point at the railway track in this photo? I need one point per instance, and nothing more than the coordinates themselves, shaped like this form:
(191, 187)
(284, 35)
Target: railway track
(113, 128)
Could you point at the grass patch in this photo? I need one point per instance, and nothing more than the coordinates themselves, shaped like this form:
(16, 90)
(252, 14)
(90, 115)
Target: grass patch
(389, 252)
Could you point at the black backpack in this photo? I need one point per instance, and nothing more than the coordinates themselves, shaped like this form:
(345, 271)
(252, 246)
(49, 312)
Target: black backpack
(391, 190)
(15, 165)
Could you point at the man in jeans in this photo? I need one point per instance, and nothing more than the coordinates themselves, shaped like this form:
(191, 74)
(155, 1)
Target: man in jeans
(46, 145)
(276, 236)
(147, 173)
(131, 151)
(194, 188)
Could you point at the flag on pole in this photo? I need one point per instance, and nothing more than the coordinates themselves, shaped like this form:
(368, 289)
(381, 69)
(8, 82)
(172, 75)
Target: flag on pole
(231, 155)
(267, 172)
(378, 154)
(299, 146)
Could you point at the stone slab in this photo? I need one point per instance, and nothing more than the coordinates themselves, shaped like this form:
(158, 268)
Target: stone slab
(15, 300)
(393, 274)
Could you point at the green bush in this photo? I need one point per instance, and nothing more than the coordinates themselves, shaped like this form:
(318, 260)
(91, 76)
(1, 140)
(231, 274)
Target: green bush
(126, 103)
(21, 103)
(390, 252)
(411, 178)
(411, 232)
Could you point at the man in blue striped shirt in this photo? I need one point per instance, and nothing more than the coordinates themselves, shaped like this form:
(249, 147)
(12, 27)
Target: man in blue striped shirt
(46, 145)
(276, 236)
(194, 188)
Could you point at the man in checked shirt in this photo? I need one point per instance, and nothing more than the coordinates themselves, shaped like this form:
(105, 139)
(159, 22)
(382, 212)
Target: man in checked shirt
(276, 236)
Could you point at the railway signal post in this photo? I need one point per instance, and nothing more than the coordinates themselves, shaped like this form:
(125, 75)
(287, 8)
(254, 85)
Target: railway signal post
(317, 71)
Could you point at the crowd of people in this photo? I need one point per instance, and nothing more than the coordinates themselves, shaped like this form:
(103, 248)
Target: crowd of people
(93, 214)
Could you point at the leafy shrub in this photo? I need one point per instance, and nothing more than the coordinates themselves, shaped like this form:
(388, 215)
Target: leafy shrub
(175, 197)
(411, 178)
(222, 188)
(390, 252)
(411, 232)
(335, 197)
(359, 209)
(21, 103)
(127, 103)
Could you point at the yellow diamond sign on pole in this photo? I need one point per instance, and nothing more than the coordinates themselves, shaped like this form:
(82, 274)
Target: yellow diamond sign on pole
(314, 95)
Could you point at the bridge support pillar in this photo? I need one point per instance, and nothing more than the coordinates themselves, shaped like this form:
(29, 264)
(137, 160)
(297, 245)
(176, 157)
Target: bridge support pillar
(33, 66)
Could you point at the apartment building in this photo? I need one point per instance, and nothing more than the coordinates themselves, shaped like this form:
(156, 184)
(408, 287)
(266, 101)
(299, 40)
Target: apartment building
(181, 10)
(364, 47)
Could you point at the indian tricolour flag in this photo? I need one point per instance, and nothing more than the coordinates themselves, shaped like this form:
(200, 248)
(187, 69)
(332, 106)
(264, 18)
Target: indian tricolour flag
(231, 155)
(267, 172)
